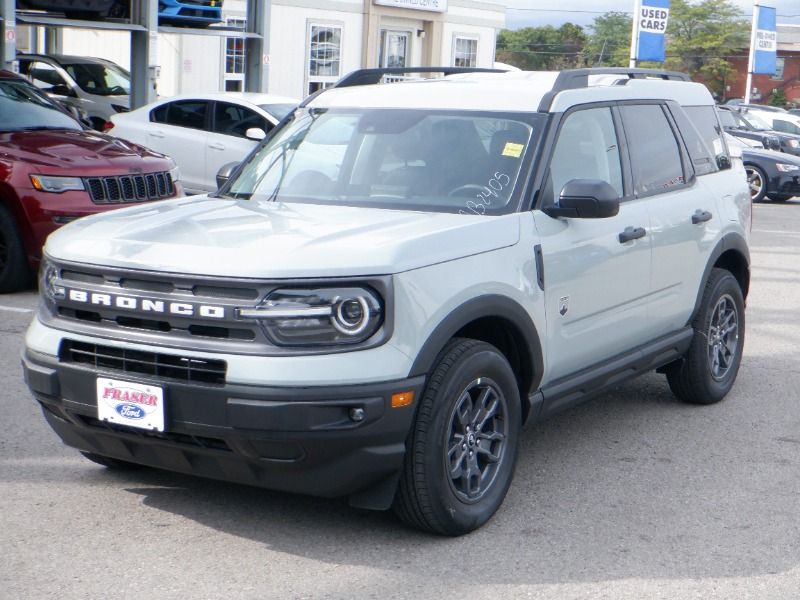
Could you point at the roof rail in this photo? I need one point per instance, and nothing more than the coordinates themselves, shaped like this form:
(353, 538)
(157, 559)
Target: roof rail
(373, 76)
(571, 79)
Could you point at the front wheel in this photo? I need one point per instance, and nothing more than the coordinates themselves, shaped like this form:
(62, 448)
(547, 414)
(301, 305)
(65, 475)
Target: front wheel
(707, 372)
(757, 181)
(461, 452)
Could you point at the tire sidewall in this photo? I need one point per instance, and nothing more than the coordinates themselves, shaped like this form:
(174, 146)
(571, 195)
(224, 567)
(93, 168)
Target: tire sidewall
(456, 515)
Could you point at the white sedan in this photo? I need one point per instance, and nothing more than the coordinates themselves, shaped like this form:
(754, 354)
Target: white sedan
(203, 132)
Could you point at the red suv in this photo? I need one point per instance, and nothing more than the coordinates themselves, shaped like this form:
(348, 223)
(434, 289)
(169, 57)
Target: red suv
(53, 171)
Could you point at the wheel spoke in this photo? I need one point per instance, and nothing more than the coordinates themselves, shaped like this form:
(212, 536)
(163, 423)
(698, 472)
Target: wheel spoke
(485, 451)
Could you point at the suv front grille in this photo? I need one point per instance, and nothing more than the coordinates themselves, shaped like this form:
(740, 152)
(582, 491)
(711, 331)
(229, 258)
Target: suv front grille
(165, 366)
(130, 188)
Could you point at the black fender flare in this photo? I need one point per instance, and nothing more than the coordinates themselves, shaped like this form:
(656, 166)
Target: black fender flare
(730, 241)
(494, 306)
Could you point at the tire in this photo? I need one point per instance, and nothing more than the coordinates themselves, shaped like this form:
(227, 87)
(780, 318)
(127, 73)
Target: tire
(111, 463)
(707, 371)
(435, 492)
(14, 269)
(779, 197)
(757, 181)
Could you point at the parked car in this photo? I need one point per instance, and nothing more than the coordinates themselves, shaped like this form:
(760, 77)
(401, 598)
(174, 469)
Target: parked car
(54, 171)
(77, 9)
(189, 12)
(783, 121)
(478, 253)
(99, 87)
(203, 132)
(775, 175)
(744, 124)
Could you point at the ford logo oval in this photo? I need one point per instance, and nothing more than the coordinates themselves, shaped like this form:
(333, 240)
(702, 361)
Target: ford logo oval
(130, 411)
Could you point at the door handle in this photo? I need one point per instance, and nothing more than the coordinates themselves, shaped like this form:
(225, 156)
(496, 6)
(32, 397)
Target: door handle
(216, 146)
(157, 134)
(701, 216)
(631, 233)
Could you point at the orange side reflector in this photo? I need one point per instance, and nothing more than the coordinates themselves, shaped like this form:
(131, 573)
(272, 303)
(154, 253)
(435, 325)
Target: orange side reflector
(402, 399)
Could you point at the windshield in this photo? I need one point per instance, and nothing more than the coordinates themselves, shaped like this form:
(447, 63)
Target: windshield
(755, 122)
(463, 162)
(278, 110)
(727, 119)
(100, 79)
(23, 107)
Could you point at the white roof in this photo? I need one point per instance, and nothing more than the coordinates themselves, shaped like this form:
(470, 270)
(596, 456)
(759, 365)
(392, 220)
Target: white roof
(251, 97)
(520, 91)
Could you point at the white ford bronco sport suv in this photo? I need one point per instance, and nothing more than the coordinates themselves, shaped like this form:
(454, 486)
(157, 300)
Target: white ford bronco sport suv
(397, 280)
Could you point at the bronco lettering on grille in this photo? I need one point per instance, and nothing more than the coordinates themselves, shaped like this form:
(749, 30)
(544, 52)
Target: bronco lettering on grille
(147, 305)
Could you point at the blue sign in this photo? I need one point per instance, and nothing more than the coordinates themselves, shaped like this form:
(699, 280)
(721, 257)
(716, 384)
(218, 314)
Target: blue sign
(653, 16)
(765, 44)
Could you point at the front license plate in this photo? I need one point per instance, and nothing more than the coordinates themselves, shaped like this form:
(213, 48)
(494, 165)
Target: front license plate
(132, 404)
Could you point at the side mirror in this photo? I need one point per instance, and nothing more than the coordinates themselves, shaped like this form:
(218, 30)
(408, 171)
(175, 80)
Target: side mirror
(586, 199)
(255, 133)
(61, 90)
(225, 172)
(723, 162)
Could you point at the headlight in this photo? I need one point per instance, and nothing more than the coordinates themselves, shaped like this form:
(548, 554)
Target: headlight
(120, 109)
(51, 183)
(50, 287)
(318, 317)
(793, 143)
(784, 168)
(175, 173)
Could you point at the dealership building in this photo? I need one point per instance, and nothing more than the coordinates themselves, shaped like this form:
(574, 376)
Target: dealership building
(311, 43)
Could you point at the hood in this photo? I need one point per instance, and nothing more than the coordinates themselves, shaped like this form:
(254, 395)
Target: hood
(773, 155)
(250, 239)
(67, 149)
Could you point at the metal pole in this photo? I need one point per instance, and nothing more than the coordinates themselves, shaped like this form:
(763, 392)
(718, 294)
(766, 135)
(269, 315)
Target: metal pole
(144, 53)
(637, 11)
(256, 58)
(8, 39)
(751, 58)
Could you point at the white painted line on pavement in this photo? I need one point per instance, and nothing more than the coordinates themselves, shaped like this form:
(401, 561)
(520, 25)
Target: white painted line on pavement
(15, 309)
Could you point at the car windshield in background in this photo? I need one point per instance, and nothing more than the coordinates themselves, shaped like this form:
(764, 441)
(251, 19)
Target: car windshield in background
(755, 122)
(22, 107)
(466, 162)
(279, 111)
(100, 79)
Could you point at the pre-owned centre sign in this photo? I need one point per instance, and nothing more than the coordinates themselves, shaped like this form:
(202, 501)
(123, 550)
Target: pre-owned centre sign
(433, 5)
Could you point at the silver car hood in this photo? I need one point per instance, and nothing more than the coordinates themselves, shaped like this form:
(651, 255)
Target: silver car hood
(250, 239)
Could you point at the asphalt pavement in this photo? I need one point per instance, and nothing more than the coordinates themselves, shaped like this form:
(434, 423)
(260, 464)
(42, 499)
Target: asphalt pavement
(632, 495)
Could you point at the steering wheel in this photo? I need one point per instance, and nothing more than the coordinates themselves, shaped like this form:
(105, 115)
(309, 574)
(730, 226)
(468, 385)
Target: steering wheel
(467, 187)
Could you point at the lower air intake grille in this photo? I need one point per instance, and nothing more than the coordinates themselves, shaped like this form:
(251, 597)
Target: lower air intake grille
(166, 366)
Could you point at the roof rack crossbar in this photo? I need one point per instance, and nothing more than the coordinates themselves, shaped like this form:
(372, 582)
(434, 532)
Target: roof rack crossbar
(571, 79)
(373, 76)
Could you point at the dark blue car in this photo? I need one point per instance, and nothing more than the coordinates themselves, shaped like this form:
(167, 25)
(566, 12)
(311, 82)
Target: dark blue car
(189, 12)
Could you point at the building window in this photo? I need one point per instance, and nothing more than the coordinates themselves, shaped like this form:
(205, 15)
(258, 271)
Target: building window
(465, 52)
(324, 56)
(393, 48)
(779, 64)
(234, 57)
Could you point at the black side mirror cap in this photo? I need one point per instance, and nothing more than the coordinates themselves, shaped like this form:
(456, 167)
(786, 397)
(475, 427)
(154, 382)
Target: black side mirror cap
(585, 199)
(225, 172)
(723, 162)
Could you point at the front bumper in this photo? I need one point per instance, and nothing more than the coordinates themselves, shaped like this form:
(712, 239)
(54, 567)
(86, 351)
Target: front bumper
(785, 184)
(299, 440)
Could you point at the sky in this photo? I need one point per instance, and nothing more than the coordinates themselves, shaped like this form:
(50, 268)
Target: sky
(523, 13)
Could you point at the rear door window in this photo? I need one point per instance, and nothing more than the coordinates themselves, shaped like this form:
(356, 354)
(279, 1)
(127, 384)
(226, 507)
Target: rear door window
(182, 113)
(655, 154)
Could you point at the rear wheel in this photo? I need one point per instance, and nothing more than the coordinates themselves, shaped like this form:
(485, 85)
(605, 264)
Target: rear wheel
(14, 270)
(707, 371)
(111, 463)
(757, 182)
(461, 452)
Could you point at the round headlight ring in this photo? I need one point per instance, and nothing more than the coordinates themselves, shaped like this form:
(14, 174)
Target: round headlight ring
(345, 325)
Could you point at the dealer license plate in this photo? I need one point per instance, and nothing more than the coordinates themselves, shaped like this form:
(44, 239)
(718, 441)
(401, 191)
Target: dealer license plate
(132, 404)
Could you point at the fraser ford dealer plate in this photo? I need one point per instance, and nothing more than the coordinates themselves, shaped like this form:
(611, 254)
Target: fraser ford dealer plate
(131, 404)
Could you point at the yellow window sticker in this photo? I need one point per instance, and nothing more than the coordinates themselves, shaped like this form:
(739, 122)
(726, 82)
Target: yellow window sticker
(513, 150)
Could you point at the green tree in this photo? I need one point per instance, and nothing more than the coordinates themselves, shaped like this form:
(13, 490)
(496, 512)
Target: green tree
(778, 98)
(609, 42)
(542, 48)
(701, 37)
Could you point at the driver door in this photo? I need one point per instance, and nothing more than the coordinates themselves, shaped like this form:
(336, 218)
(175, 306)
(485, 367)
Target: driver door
(595, 282)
